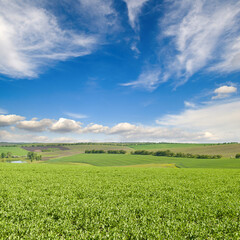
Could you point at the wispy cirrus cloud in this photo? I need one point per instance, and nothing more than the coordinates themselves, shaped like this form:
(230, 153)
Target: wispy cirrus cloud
(76, 115)
(134, 9)
(32, 38)
(148, 79)
(200, 32)
(98, 15)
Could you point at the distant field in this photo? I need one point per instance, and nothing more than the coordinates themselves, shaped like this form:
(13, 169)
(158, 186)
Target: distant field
(127, 159)
(14, 150)
(40, 201)
(164, 145)
(76, 149)
(226, 150)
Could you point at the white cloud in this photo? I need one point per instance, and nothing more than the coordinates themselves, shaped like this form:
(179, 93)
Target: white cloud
(12, 137)
(200, 31)
(64, 140)
(189, 104)
(7, 120)
(99, 15)
(134, 9)
(221, 120)
(31, 38)
(94, 128)
(131, 132)
(64, 125)
(76, 115)
(34, 125)
(122, 128)
(229, 57)
(224, 92)
(148, 80)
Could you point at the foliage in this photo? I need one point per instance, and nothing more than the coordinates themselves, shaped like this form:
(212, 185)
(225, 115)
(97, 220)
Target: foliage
(70, 202)
(109, 151)
(116, 152)
(95, 151)
(6, 155)
(237, 155)
(168, 153)
(33, 156)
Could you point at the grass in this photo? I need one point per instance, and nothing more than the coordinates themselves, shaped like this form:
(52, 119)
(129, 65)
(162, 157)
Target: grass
(77, 149)
(127, 159)
(14, 150)
(226, 150)
(156, 146)
(39, 201)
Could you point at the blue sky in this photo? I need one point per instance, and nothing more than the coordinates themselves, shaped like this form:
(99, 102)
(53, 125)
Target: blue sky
(126, 70)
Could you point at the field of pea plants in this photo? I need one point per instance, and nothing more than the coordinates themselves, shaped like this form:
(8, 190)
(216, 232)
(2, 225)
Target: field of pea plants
(52, 201)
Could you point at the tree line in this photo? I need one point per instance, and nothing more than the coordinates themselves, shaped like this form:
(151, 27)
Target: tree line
(6, 155)
(168, 153)
(109, 151)
(33, 156)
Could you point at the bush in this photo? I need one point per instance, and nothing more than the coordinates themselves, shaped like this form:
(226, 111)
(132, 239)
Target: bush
(95, 151)
(116, 152)
(141, 152)
(237, 155)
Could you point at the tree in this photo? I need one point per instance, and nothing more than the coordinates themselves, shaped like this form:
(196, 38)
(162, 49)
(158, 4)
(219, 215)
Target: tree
(33, 156)
(3, 155)
(237, 155)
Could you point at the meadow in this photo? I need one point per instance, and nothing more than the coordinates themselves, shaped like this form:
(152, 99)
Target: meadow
(226, 150)
(127, 159)
(14, 150)
(42, 201)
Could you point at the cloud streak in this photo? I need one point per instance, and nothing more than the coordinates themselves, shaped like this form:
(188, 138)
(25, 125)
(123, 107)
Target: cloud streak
(134, 9)
(31, 38)
(149, 80)
(221, 120)
(198, 30)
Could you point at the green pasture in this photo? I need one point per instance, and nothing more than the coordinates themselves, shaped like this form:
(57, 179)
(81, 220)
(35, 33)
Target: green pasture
(40, 201)
(226, 150)
(77, 149)
(14, 150)
(127, 159)
(156, 146)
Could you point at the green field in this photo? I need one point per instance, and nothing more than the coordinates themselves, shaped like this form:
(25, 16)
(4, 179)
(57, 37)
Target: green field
(151, 146)
(40, 201)
(226, 150)
(76, 149)
(14, 150)
(127, 159)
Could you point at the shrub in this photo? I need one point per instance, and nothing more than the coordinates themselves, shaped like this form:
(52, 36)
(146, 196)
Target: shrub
(237, 155)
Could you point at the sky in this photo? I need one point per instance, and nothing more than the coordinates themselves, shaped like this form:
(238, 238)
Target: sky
(119, 71)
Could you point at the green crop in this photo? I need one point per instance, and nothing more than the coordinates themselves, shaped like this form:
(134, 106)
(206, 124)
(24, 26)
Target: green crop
(43, 201)
(128, 159)
(14, 150)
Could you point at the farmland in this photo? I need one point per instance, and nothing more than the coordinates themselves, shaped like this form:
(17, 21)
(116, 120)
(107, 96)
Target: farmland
(125, 160)
(14, 150)
(41, 201)
(226, 150)
(73, 195)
